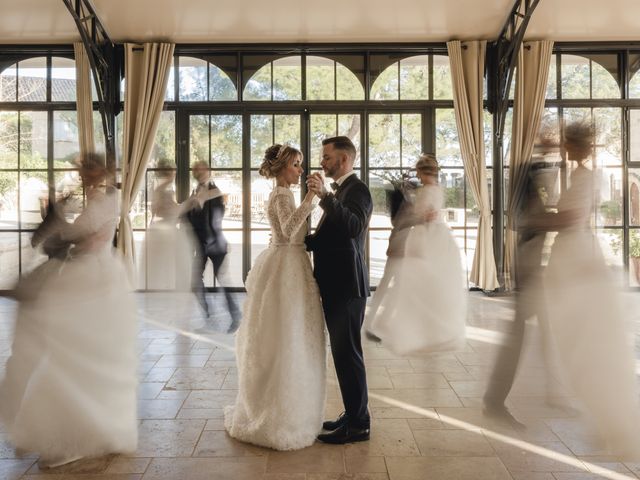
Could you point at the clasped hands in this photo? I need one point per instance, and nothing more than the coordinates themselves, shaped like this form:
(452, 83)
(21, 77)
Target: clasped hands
(315, 184)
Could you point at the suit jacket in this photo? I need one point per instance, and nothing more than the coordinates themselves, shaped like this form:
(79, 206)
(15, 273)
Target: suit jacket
(338, 244)
(207, 224)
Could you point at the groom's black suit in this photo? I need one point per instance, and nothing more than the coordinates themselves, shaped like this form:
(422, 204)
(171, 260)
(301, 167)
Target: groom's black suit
(341, 272)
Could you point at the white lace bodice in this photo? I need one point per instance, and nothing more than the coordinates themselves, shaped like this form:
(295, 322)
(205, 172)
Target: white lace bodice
(428, 197)
(285, 219)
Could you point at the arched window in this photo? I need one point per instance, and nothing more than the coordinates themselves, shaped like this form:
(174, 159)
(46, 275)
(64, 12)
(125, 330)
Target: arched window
(279, 79)
(200, 80)
(592, 76)
(329, 79)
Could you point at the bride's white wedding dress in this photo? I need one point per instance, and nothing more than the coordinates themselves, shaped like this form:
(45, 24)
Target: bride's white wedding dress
(70, 384)
(420, 305)
(281, 346)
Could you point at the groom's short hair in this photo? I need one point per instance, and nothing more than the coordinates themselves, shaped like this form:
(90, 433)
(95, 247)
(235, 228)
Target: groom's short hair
(342, 143)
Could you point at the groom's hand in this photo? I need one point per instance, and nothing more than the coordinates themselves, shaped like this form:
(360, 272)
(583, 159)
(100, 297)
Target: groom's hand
(315, 182)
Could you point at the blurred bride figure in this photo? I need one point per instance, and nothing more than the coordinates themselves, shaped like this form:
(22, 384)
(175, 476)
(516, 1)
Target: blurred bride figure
(421, 307)
(70, 386)
(585, 319)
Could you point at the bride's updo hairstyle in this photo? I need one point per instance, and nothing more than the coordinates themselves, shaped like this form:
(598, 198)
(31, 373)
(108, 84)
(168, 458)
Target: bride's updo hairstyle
(277, 158)
(579, 137)
(427, 164)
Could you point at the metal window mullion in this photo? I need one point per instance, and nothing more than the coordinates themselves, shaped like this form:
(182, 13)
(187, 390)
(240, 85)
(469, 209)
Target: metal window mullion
(246, 194)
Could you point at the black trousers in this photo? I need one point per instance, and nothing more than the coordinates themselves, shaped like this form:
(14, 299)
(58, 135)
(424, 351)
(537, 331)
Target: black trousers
(199, 264)
(344, 322)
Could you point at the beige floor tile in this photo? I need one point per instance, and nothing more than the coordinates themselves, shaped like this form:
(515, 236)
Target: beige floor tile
(425, 397)
(447, 468)
(419, 380)
(347, 476)
(194, 361)
(168, 438)
(84, 466)
(197, 379)
(149, 391)
(158, 409)
(284, 476)
(318, 458)
(365, 464)
(247, 468)
(388, 438)
(555, 457)
(128, 465)
(206, 413)
(215, 443)
(214, 424)
(210, 399)
(12, 469)
(452, 443)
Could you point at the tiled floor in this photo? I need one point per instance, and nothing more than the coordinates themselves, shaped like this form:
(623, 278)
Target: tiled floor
(427, 414)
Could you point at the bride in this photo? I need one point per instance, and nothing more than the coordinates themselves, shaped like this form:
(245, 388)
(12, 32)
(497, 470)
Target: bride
(280, 345)
(70, 386)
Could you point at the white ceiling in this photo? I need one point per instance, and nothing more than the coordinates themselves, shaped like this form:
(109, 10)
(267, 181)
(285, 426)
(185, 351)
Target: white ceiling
(269, 21)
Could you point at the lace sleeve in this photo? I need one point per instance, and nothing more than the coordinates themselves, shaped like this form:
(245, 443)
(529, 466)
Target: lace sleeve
(289, 217)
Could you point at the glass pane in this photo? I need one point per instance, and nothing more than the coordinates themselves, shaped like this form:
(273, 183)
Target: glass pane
(287, 130)
(452, 181)
(98, 134)
(488, 138)
(381, 186)
(322, 126)
(385, 87)
(447, 144)
(138, 213)
(221, 87)
(259, 85)
(226, 141)
(161, 195)
(411, 138)
(609, 201)
(442, 87)
(33, 139)
(609, 239)
(287, 79)
(164, 147)
(9, 260)
(634, 135)
(320, 78)
(230, 184)
(8, 84)
(8, 139)
(8, 200)
(634, 197)
(378, 243)
(261, 137)
(192, 79)
(34, 193)
(198, 139)
(608, 123)
(32, 80)
(231, 272)
(575, 78)
(349, 126)
(552, 87)
(170, 93)
(384, 140)
(260, 191)
(347, 84)
(66, 146)
(63, 80)
(414, 78)
(604, 74)
(634, 257)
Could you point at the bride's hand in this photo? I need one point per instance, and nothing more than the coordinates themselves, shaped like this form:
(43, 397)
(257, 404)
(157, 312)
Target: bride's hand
(309, 196)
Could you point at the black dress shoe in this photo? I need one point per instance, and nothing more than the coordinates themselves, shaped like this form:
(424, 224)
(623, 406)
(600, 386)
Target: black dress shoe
(345, 434)
(331, 425)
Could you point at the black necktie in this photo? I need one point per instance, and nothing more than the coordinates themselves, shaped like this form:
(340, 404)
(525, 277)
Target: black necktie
(335, 186)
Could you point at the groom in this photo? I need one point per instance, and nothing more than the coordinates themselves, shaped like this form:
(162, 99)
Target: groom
(341, 273)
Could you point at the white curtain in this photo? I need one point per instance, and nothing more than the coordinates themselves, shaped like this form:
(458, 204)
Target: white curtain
(528, 105)
(467, 71)
(147, 69)
(83, 99)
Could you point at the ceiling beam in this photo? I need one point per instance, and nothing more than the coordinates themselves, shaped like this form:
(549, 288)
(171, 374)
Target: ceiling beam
(105, 64)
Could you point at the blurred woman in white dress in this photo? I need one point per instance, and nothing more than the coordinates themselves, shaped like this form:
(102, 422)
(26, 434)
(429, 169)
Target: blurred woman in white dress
(70, 386)
(586, 322)
(421, 307)
(281, 345)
